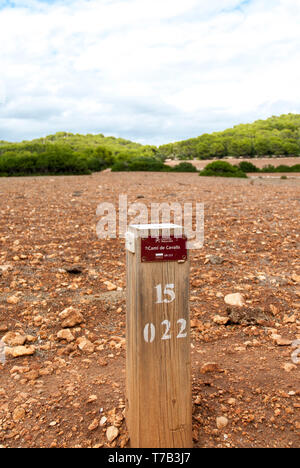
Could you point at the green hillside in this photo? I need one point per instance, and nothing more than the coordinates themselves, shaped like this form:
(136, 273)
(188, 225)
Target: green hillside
(68, 153)
(279, 136)
(78, 143)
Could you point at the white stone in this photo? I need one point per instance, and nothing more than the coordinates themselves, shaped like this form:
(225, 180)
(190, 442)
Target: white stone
(222, 422)
(235, 299)
(112, 433)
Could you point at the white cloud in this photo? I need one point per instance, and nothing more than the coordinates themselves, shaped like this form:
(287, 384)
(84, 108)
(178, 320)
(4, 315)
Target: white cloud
(154, 71)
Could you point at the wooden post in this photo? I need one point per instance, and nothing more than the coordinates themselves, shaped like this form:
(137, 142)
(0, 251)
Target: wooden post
(158, 377)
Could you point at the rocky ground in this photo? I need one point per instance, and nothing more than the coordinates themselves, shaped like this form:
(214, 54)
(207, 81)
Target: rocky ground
(62, 310)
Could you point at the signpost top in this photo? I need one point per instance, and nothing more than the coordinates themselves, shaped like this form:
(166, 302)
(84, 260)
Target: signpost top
(156, 230)
(157, 242)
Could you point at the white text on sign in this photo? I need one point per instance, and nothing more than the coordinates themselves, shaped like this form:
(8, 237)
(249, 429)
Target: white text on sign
(150, 330)
(168, 293)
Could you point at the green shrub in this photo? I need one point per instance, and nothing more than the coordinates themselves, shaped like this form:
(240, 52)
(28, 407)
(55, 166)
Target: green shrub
(145, 163)
(184, 167)
(284, 168)
(281, 168)
(222, 169)
(268, 168)
(247, 166)
(142, 163)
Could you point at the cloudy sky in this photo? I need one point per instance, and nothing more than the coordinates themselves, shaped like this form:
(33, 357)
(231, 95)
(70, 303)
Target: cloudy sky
(153, 71)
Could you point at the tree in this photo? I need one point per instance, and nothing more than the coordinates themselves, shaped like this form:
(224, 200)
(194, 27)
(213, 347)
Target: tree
(240, 147)
(262, 146)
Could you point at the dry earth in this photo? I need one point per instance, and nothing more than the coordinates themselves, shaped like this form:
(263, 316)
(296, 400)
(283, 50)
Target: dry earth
(70, 388)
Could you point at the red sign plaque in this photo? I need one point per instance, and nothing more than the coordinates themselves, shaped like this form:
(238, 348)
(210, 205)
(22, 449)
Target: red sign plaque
(163, 249)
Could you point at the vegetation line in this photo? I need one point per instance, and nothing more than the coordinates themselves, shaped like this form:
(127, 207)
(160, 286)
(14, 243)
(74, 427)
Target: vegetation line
(66, 153)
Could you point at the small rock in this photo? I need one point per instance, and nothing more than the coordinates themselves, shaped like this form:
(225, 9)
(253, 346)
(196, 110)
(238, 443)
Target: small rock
(112, 433)
(288, 367)
(19, 351)
(18, 414)
(195, 323)
(5, 268)
(103, 420)
(198, 400)
(235, 299)
(71, 317)
(261, 277)
(31, 338)
(247, 316)
(222, 422)
(94, 425)
(13, 300)
(46, 371)
(214, 259)
(14, 339)
(232, 401)
(92, 398)
(296, 278)
(289, 319)
(274, 309)
(220, 320)
(74, 269)
(210, 367)
(110, 286)
(85, 345)
(102, 362)
(282, 341)
(32, 375)
(65, 334)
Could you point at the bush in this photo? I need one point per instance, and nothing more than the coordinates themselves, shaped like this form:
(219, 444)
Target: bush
(142, 163)
(222, 169)
(247, 166)
(281, 168)
(184, 167)
(268, 168)
(146, 163)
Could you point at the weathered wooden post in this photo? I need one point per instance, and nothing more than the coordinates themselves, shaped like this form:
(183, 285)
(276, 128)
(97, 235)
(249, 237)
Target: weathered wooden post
(158, 376)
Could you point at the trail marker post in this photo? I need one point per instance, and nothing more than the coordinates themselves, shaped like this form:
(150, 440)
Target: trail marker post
(158, 376)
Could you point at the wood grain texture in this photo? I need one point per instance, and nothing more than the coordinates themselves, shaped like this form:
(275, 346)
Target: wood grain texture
(158, 376)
